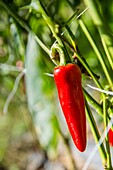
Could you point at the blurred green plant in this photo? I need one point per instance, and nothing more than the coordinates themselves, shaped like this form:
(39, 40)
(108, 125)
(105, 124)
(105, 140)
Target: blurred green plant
(27, 32)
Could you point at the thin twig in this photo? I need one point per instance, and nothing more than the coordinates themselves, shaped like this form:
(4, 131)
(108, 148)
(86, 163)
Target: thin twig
(100, 90)
(8, 67)
(82, 12)
(12, 93)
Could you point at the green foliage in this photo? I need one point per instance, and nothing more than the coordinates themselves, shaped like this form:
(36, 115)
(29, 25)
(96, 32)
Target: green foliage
(28, 29)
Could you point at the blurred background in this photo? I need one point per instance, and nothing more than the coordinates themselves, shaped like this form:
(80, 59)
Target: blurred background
(33, 132)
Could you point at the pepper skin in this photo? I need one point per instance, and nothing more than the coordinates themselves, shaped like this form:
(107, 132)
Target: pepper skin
(68, 83)
(110, 136)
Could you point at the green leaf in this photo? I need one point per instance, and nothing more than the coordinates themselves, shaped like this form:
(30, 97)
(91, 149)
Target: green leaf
(39, 103)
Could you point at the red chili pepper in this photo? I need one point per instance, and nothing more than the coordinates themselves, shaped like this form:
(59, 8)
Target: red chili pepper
(68, 82)
(110, 136)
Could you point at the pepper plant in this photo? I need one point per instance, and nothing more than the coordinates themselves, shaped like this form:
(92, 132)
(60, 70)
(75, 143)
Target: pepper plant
(63, 32)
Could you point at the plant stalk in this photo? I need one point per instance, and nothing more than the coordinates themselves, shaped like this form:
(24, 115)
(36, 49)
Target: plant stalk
(96, 134)
(109, 166)
(86, 32)
(93, 102)
(54, 29)
(106, 38)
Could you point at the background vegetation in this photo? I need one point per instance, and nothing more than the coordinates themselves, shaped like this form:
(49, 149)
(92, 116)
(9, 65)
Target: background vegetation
(33, 132)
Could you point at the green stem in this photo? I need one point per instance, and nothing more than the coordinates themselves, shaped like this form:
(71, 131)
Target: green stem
(107, 49)
(24, 25)
(72, 38)
(81, 59)
(84, 63)
(96, 133)
(93, 102)
(107, 39)
(54, 29)
(106, 139)
(42, 45)
(70, 19)
(85, 30)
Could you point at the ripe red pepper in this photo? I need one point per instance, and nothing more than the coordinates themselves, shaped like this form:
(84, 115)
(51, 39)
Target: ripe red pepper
(110, 136)
(68, 82)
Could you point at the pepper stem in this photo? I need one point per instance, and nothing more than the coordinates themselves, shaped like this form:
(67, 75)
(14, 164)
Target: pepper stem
(57, 54)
